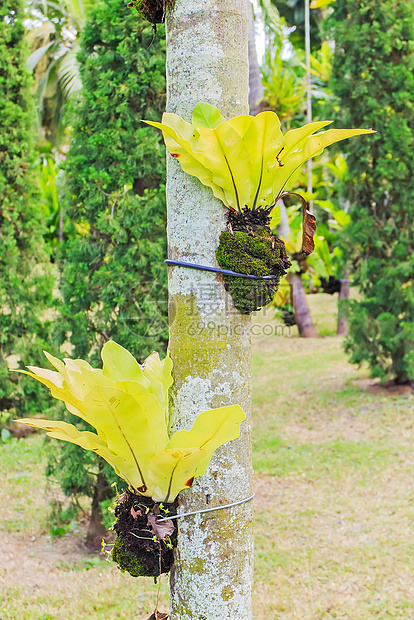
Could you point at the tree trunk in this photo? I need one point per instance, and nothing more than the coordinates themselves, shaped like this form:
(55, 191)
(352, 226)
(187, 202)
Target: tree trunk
(256, 91)
(96, 530)
(210, 343)
(342, 327)
(300, 307)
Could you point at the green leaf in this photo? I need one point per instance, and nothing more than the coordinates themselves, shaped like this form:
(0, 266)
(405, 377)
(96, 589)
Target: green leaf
(37, 55)
(206, 115)
(341, 217)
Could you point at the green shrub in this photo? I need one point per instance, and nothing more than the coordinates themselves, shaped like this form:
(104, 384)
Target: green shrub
(113, 277)
(373, 76)
(25, 278)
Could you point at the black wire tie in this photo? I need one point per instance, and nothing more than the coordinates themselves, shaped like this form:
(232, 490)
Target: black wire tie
(226, 272)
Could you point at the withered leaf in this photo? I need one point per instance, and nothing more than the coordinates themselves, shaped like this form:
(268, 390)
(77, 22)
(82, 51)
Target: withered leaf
(159, 615)
(161, 530)
(156, 509)
(122, 497)
(308, 226)
(136, 513)
(308, 232)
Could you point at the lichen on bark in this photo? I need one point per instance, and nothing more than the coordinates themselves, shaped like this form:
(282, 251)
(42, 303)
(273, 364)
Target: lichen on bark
(209, 339)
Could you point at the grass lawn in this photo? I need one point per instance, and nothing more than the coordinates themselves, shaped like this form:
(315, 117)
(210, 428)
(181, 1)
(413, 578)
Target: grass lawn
(334, 470)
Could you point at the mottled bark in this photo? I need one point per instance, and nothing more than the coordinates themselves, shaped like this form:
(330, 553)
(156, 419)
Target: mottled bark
(342, 327)
(210, 344)
(300, 307)
(256, 91)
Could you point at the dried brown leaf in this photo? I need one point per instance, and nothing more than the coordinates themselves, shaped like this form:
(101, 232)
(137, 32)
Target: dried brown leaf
(135, 513)
(122, 497)
(161, 530)
(308, 227)
(159, 615)
(308, 233)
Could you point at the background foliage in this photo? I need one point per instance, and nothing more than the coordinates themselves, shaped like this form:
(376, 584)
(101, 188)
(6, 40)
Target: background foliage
(113, 274)
(25, 279)
(113, 279)
(374, 79)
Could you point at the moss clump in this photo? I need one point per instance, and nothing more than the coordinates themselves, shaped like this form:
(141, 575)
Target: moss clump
(259, 254)
(152, 10)
(127, 560)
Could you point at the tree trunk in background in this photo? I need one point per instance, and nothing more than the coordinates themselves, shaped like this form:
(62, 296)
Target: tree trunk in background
(96, 530)
(342, 327)
(300, 306)
(210, 344)
(256, 91)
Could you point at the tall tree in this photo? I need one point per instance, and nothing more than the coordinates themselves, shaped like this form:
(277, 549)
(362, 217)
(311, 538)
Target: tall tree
(209, 338)
(373, 77)
(54, 30)
(25, 280)
(113, 280)
(293, 11)
(256, 91)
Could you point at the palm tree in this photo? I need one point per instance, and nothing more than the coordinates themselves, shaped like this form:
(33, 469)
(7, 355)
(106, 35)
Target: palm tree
(53, 31)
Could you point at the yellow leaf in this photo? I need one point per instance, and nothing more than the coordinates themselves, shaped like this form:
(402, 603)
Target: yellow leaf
(246, 161)
(119, 364)
(185, 150)
(60, 393)
(226, 157)
(317, 4)
(211, 429)
(128, 406)
(152, 408)
(82, 378)
(57, 363)
(301, 146)
(263, 141)
(241, 124)
(172, 470)
(158, 372)
(89, 441)
(124, 424)
(51, 375)
(283, 294)
(295, 137)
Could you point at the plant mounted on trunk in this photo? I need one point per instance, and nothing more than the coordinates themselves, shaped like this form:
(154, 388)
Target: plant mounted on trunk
(247, 162)
(152, 10)
(127, 404)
